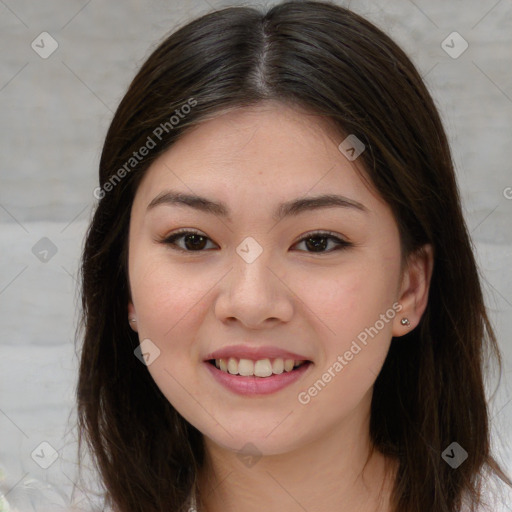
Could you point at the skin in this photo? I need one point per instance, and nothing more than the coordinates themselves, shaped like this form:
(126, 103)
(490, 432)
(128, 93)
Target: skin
(310, 456)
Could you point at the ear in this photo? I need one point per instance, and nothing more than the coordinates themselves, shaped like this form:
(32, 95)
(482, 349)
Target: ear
(414, 288)
(132, 316)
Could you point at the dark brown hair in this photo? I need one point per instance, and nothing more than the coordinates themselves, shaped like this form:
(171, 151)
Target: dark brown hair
(332, 62)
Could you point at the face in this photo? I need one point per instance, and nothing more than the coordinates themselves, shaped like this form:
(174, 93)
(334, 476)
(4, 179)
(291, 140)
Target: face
(318, 283)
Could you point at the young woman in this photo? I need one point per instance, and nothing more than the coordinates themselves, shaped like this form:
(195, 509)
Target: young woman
(281, 307)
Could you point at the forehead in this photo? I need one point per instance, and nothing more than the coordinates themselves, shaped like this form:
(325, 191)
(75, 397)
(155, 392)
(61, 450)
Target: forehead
(269, 132)
(254, 154)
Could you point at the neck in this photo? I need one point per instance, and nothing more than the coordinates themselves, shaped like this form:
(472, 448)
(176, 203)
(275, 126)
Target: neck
(338, 471)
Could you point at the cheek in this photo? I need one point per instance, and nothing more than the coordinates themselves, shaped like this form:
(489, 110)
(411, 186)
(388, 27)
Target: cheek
(163, 294)
(352, 298)
(167, 299)
(355, 316)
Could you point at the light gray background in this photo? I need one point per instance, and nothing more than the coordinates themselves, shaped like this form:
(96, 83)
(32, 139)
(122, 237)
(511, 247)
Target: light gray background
(55, 113)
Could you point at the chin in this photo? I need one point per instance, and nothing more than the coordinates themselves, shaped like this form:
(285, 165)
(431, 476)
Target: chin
(256, 444)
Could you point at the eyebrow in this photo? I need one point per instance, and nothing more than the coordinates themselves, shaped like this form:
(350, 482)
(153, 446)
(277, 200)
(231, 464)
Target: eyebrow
(287, 209)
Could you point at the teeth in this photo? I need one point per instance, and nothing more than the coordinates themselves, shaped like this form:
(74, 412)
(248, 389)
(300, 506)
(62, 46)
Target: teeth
(278, 366)
(259, 368)
(262, 368)
(232, 366)
(288, 365)
(245, 367)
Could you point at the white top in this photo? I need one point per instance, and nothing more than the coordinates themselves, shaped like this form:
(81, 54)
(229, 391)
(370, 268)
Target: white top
(494, 505)
(192, 504)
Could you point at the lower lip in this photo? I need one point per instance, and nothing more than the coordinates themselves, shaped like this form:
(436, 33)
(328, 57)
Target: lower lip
(257, 385)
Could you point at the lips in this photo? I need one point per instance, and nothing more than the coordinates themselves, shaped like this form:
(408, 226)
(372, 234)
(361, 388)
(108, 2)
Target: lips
(254, 353)
(263, 381)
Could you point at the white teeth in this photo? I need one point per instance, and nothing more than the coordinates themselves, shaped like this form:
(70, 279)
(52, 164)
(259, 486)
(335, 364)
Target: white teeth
(259, 368)
(288, 365)
(278, 366)
(232, 366)
(262, 368)
(246, 367)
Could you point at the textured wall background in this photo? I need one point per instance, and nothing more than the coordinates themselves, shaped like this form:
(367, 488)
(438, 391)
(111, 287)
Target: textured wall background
(54, 114)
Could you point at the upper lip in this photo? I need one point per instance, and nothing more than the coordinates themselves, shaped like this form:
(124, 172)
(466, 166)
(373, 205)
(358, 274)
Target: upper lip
(254, 353)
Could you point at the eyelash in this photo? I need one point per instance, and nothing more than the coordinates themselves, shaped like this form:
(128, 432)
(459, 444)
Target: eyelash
(341, 244)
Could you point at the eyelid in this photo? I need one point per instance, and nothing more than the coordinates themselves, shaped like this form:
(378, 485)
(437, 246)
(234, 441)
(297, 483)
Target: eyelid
(320, 232)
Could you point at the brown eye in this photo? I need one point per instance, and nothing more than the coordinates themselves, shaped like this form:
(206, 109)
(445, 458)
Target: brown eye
(319, 241)
(193, 240)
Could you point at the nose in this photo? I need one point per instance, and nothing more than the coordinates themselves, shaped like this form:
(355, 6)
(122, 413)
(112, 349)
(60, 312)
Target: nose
(254, 293)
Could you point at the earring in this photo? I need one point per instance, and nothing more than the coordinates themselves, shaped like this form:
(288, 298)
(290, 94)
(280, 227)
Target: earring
(405, 321)
(133, 320)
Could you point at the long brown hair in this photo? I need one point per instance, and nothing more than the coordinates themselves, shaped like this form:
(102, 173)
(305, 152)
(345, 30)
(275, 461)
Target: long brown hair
(335, 63)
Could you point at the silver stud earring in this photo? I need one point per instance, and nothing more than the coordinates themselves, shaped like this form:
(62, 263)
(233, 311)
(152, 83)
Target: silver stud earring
(405, 321)
(133, 320)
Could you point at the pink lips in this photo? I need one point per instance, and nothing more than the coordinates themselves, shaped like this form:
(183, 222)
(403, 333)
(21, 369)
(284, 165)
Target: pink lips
(256, 385)
(254, 353)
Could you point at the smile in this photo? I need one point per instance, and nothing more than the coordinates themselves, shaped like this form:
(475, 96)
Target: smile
(260, 368)
(249, 378)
